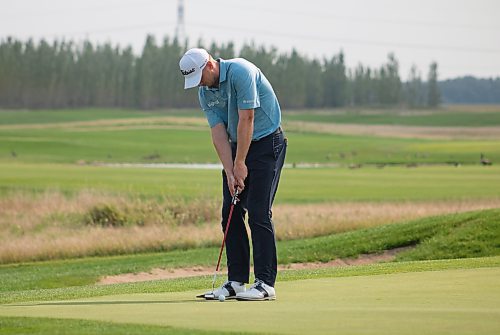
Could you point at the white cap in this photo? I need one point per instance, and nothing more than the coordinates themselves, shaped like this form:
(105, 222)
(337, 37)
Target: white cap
(192, 64)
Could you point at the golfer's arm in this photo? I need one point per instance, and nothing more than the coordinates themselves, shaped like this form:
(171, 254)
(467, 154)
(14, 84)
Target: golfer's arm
(222, 146)
(245, 132)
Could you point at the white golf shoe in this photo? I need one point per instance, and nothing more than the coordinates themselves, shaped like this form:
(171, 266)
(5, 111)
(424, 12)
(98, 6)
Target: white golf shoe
(229, 289)
(257, 292)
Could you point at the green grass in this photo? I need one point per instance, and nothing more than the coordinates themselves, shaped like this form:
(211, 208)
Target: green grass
(442, 297)
(427, 118)
(472, 234)
(136, 142)
(85, 271)
(199, 283)
(44, 116)
(296, 186)
(395, 184)
(146, 145)
(474, 116)
(91, 144)
(345, 150)
(51, 326)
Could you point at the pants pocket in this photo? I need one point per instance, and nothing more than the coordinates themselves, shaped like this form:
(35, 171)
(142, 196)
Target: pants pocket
(278, 144)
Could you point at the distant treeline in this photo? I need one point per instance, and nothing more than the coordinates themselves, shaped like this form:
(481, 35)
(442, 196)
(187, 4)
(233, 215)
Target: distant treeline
(66, 74)
(470, 90)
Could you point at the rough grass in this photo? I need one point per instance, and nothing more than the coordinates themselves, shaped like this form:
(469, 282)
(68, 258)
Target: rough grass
(54, 226)
(465, 235)
(471, 234)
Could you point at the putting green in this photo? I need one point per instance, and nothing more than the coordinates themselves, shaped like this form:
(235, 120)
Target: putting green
(434, 302)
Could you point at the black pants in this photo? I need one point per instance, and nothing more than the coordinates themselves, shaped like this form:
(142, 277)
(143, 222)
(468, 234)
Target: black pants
(264, 161)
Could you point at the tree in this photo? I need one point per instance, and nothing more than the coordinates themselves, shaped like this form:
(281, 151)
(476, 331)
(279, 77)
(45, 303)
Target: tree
(433, 94)
(334, 81)
(389, 83)
(414, 92)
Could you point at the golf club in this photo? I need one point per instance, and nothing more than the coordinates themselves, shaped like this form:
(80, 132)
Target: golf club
(234, 200)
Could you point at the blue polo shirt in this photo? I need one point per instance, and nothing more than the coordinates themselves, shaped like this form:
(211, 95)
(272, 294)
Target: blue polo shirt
(241, 86)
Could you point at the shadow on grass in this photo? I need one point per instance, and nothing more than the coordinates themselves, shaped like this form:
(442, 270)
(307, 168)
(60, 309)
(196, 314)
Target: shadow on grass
(90, 303)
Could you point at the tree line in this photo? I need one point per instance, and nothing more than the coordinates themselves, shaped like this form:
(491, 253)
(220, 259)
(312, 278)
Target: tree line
(65, 74)
(470, 90)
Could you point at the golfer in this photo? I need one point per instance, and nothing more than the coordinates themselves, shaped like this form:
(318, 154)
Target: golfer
(245, 120)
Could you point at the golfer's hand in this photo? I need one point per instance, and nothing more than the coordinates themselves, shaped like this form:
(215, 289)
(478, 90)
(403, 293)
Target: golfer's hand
(240, 173)
(231, 183)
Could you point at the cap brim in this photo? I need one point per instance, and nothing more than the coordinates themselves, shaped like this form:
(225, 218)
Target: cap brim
(193, 80)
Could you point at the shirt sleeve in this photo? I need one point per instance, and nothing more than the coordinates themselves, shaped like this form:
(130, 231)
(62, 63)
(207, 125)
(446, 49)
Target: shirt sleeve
(245, 84)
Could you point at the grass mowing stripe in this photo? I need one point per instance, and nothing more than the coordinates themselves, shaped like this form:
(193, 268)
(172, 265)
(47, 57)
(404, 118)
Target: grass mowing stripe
(187, 145)
(426, 118)
(296, 186)
(48, 116)
(50, 326)
(470, 116)
(200, 283)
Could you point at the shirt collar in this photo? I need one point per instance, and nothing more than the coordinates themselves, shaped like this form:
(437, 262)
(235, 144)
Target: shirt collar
(222, 70)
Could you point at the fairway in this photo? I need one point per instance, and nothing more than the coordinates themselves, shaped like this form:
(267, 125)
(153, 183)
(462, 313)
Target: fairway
(460, 301)
(299, 185)
(116, 136)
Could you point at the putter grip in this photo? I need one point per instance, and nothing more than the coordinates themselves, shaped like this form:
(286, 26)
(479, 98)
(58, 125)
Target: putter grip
(235, 197)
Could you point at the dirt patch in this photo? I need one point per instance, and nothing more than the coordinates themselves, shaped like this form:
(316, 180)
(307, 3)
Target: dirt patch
(363, 259)
(158, 274)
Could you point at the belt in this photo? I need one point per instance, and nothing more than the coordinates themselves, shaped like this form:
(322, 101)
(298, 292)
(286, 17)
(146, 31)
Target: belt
(276, 132)
(279, 130)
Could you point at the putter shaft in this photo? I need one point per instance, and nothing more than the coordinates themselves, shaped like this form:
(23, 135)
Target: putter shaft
(234, 200)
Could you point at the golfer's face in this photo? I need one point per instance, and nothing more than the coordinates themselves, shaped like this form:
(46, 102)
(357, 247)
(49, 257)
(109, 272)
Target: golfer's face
(207, 77)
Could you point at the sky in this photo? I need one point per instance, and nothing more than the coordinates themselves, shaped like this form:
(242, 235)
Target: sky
(462, 36)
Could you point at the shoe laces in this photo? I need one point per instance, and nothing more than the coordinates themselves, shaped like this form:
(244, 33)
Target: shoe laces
(257, 282)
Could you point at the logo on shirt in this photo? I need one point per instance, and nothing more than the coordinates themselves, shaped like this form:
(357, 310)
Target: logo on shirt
(186, 72)
(213, 103)
(248, 101)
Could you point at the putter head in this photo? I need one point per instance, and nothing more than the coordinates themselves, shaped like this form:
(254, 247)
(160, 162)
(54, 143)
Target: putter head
(207, 296)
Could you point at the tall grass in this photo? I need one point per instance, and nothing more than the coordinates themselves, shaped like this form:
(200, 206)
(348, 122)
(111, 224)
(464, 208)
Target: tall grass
(52, 225)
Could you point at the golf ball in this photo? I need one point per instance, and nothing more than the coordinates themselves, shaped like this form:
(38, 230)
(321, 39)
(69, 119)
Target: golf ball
(222, 297)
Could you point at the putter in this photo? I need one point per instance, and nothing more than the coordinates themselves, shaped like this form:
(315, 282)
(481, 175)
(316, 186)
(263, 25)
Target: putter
(234, 200)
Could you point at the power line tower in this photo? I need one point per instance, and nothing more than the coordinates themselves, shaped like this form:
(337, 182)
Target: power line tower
(180, 31)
